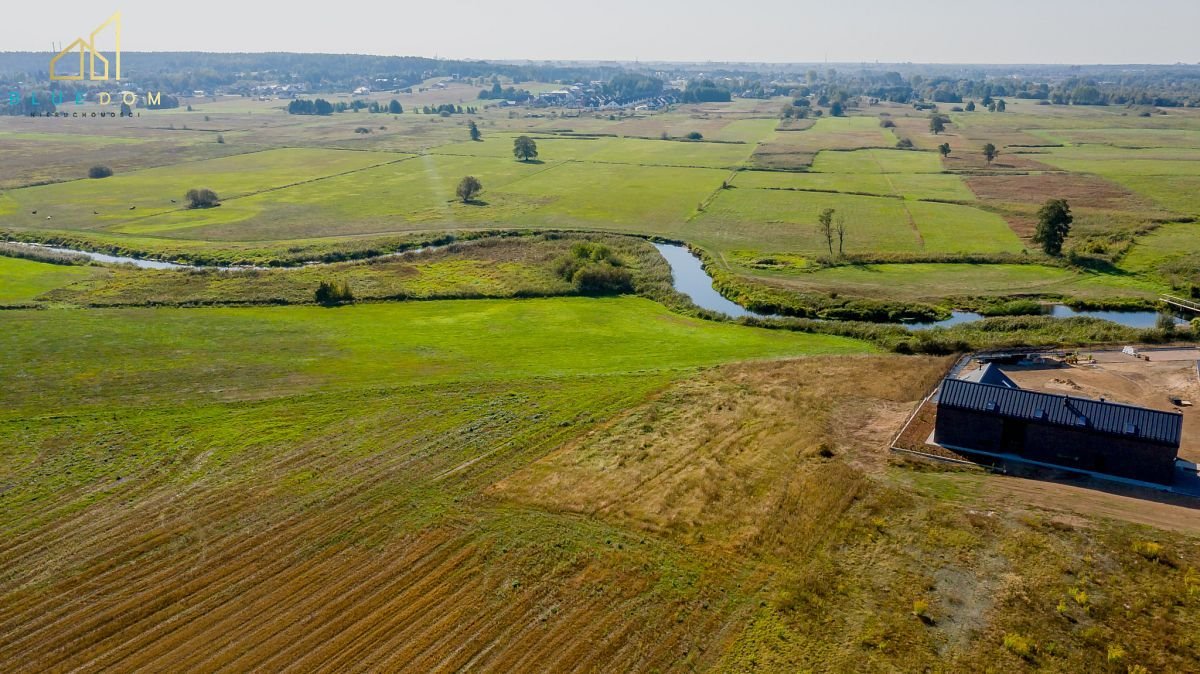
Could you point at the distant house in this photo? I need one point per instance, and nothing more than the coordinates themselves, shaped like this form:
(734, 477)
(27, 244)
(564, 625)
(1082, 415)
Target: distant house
(993, 415)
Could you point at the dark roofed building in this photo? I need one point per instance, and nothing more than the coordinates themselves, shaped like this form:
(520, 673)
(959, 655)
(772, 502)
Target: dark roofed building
(1094, 435)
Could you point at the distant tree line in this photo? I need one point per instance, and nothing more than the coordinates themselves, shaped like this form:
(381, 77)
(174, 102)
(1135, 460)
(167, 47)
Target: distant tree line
(497, 93)
(705, 91)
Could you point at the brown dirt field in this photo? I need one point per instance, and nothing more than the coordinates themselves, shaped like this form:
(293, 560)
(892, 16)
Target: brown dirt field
(665, 467)
(782, 156)
(1080, 190)
(1097, 500)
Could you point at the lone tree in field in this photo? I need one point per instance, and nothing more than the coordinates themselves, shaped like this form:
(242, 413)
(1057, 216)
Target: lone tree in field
(474, 129)
(840, 228)
(970, 106)
(99, 171)
(937, 124)
(825, 220)
(837, 109)
(524, 148)
(468, 188)
(395, 108)
(990, 153)
(1054, 224)
(944, 149)
(202, 198)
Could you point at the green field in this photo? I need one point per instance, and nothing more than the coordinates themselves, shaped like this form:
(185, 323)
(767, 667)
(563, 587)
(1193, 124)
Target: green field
(782, 220)
(217, 350)
(24, 280)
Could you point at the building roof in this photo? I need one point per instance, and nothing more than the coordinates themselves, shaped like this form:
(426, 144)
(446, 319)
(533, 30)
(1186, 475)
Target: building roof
(1061, 410)
(990, 374)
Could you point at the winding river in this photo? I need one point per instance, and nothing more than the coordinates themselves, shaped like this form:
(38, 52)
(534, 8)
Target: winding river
(690, 279)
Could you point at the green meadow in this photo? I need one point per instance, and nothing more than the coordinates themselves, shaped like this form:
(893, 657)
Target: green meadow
(24, 280)
(100, 356)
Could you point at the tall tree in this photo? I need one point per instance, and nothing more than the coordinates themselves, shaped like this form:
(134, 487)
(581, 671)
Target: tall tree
(395, 108)
(524, 148)
(474, 129)
(825, 220)
(970, 106)
(990, 153)
(937, 124)
(944, 149)
(468, 188)
(1054, 224)
(840, 227)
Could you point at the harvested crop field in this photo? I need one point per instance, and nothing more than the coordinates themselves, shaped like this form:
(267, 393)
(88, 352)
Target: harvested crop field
(1079, 190)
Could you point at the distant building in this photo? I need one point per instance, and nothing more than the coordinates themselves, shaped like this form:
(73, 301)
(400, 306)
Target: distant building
(991, 414)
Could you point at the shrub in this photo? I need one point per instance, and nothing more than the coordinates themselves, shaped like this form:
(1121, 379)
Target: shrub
(1150, 550)
(1018, 645)
(99, 171)
(904, 144)
(602, 279)
(921, 609)
(332, 294)
(1166, 323)
(887, 124)
(1115, 653)
(202, 198)
(695, 135)
(220, 139)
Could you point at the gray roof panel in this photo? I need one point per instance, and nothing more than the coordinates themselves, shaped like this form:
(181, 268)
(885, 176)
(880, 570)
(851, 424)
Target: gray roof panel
(1104, 417)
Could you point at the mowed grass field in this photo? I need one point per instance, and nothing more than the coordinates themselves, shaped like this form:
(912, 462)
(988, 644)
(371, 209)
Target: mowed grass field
(24, 280)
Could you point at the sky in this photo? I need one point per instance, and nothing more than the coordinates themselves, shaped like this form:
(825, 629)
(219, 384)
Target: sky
(844, 31)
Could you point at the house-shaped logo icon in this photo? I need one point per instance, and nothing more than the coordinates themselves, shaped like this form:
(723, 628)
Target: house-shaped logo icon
(88, 48)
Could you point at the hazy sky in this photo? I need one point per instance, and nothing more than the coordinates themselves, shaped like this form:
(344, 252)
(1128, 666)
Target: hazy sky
(941, 31)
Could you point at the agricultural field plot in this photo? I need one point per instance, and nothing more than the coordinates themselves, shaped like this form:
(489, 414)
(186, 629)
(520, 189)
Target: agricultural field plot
(786, 221)
(416, 193)
(1169, 252)
(924, 282)
(56, 157)
(611, 150)
(841, 133)
(215, 353)
(529, 508)
(909, 186)
(24, 280)
(97, 204)
(616, 197)
(796, 149)
(1080, 190)
(1124, 138)
(877, 161)
(1172, 184)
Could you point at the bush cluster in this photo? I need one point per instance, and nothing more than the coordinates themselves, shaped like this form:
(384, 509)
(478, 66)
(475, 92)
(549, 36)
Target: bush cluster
(331, 294)
(594, 269)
